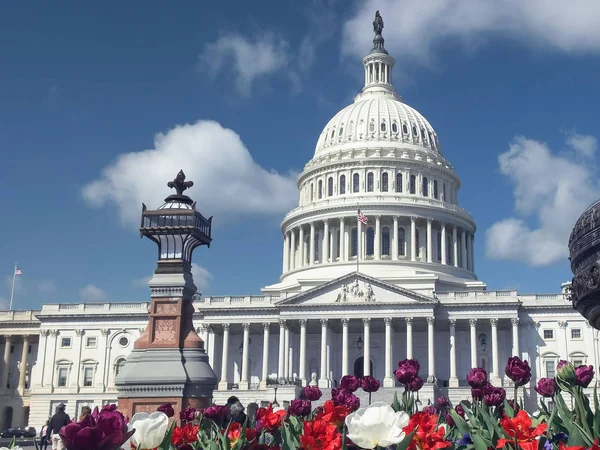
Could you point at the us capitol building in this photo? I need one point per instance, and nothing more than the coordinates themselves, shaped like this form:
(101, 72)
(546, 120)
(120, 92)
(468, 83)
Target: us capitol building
(353, 297)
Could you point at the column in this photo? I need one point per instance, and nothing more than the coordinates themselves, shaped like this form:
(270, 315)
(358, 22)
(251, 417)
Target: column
(359, 240)
(8, 343)
(472, 240)
(323, 375)
(429, 242)
(302, 363)
(413, 239)
(203, 332)
(286, 357)
(463, 249)
(77, 363)
(311, 244)
(23, 368)
(334, 244)
(495, 366)
(246, 343)
(224, 383)
(377, 237)
(345, 347)
(473, 328)
(43, 347)
(388, 380)
(281, 355)
(286, 252)
(343, 255)
(430, 350)
(265, 355)
(301, 258)
(453, 381)
(443, 256)
(210, 351)
(291, 363)
(325, 249)
(455, 245)
(293, 250)
(395, 239)
(409, 336)
(515, 337)
(367, 347)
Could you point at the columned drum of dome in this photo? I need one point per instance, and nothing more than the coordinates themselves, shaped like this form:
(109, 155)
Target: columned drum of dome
(383, 157)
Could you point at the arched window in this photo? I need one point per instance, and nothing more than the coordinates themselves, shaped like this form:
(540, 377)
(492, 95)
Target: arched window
(370, 182)
(312, 192)
(413, 188)
(330, 187)
(401, 242)
(415, 132)
(341, 131)
(384, 182)
(354, 242)
(425, 187)
(444, 192)
(342, 186)
(398, 182)
(320, 190)
(350, 128)
(439, 246)
(372, 126)
(385, 241)
(383, 127)
(355, 182)
(332, 133)
(417, 244)
(435, 189)
(119, 364)
(404, 128)
(394, 127)
(370, 241)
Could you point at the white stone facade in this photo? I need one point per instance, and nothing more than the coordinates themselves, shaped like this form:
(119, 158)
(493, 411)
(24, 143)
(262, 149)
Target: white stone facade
(353, 298)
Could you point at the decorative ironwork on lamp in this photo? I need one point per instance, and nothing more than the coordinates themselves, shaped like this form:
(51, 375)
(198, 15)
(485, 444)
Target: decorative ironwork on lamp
(359, 343)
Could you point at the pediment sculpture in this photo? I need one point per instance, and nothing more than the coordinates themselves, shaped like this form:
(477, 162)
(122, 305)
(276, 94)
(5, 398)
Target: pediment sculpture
(355, 293)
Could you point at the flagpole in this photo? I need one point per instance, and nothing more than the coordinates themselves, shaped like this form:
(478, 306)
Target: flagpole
(12, 292)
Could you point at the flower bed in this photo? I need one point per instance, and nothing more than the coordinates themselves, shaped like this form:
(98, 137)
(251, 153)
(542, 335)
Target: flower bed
(489, 420)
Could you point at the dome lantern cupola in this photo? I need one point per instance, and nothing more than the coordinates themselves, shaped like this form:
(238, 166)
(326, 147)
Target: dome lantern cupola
(378, 63)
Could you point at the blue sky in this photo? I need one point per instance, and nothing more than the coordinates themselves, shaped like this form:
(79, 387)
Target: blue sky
(510, 87)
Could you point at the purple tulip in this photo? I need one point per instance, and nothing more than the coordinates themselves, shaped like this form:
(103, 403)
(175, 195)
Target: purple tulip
(429, 410)
(493, 396)
(477, 393)
(187, 415)
(166, 408)
(216, 413)
(350, 383)
(312, 393)
(460, 411)
(561, 364)
(566, 377)
(415, 385)
(442, 403)
(584, 375)
(407, 370)
(546, 387)
(299, 407)
(102, 430)
(450, 420)
(477, 377)
(518, 371)
(370, 384)
(342, 397)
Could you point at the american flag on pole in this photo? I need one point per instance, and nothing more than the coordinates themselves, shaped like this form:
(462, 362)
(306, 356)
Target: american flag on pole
(362, 218)
(18, 271)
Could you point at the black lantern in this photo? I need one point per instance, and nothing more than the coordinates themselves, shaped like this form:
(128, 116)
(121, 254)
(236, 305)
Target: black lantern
(359, 343)
(584, 254)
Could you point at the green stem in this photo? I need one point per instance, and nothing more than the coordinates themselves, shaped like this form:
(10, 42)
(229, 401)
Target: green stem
(552, 414)
(581, 414)
(516, 401)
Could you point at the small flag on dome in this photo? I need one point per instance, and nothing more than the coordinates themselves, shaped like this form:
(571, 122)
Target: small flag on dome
(362, 218)
(18, 271)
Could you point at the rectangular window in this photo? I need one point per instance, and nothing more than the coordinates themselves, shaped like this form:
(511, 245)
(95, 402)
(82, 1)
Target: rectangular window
(91, 342)
(63, 373)
(576, 333)
(88, 376)
(548, 334)
(550, 369)
(578, 362)
(65, 342)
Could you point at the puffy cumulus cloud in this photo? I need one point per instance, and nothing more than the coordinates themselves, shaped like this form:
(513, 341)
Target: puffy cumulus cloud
(202, 277)
(4, 303)
(585, 146)
(248, 58)
(414, 27)
(227, 181)
(92, 293)
(551, 188)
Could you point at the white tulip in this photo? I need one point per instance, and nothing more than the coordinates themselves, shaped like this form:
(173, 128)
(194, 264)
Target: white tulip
(150, 429)
(376, 425)
(16, 447)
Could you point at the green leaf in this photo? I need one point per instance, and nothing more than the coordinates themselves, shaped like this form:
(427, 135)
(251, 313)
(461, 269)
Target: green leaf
(396, 403)
(596, 425)
(403, 445)
(510, 412)
(578, 438)
(289, 441)
(12, 442)
(479, 442)
(166, 443)
(461, 425)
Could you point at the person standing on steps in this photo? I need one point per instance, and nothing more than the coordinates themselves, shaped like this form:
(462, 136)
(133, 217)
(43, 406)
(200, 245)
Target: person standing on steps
(58, 420)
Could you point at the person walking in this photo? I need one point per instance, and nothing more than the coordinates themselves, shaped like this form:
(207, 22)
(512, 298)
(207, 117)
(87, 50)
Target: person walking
(43, 438)
(58, 420)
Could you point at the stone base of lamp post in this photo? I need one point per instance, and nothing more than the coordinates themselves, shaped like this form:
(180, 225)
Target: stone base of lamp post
(389, 382)
(453, 382)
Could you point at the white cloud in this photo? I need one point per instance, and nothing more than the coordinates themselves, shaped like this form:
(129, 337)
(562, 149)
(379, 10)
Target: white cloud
(414, 27)
(202, 277)
(46, 287)
(585, 146)
(248, 59)
(227, 181)
(552, 189)
(3, 303)
(141, 282)
(92, 293)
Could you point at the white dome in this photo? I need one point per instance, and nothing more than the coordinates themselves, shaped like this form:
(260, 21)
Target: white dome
(380, 120)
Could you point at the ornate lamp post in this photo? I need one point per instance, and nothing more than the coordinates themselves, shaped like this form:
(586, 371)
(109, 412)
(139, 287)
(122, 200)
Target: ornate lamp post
(168, 363)
(584, 249)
